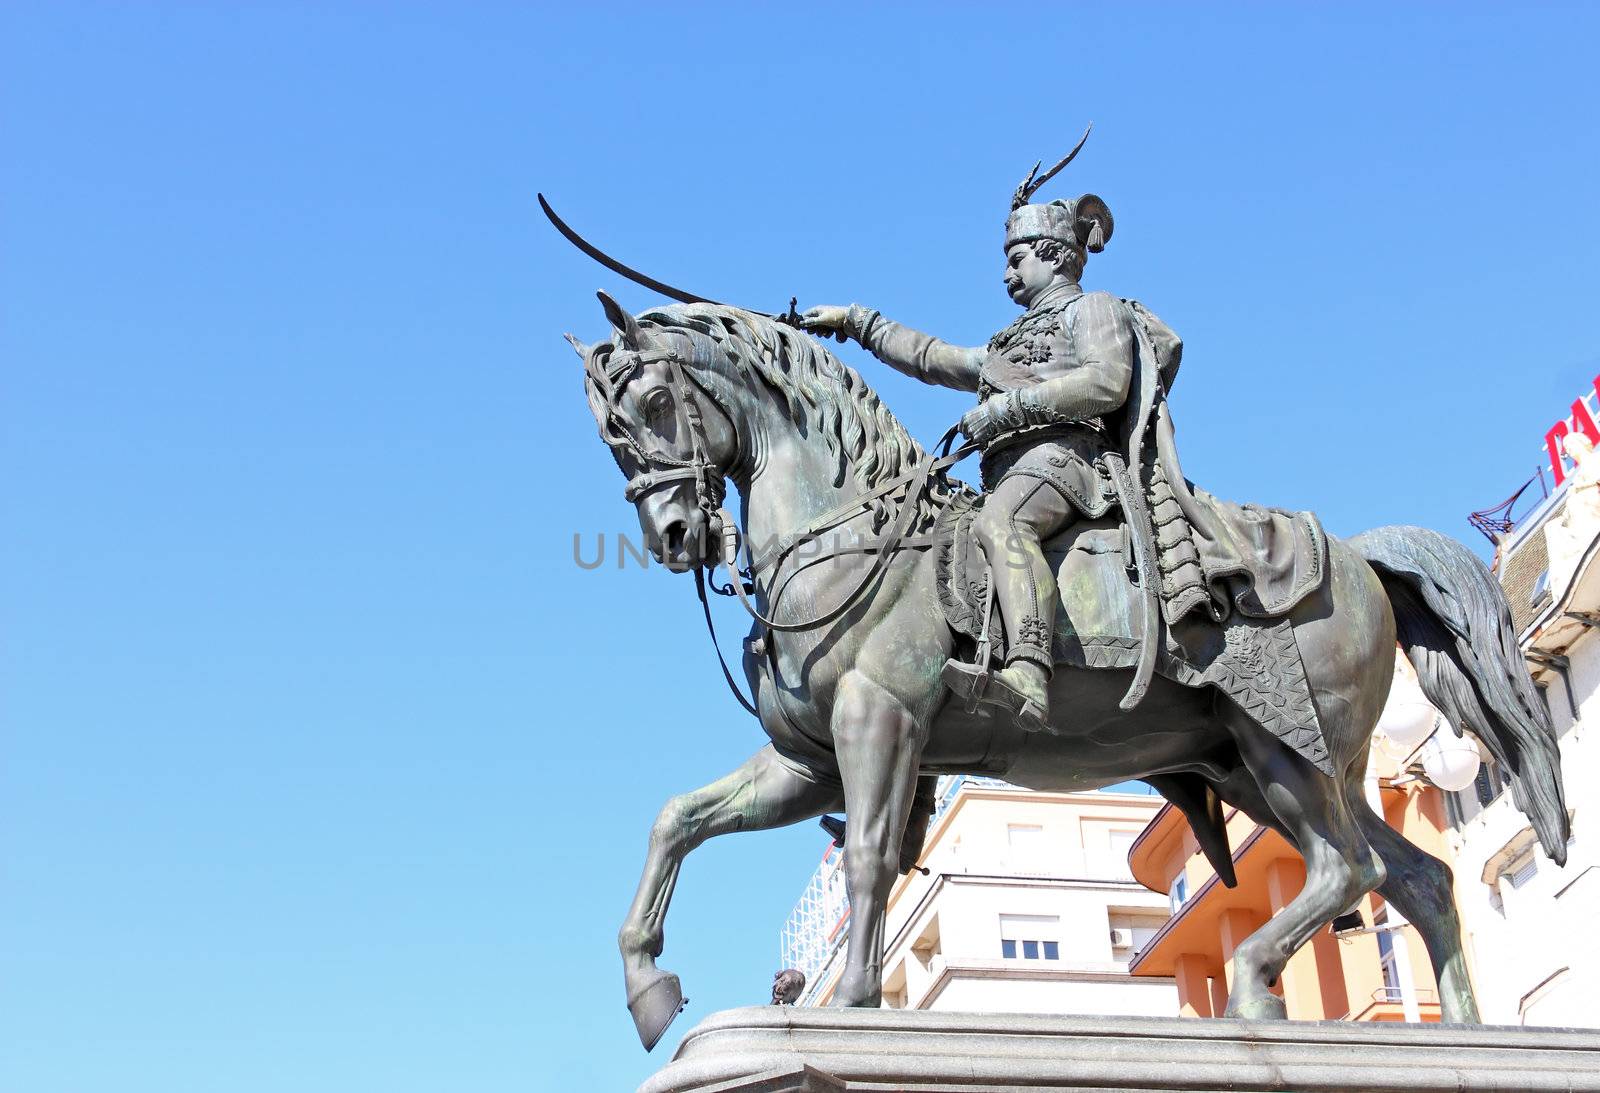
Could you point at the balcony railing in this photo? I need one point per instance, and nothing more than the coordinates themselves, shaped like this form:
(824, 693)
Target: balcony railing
(1047, 863)
(1396, 995)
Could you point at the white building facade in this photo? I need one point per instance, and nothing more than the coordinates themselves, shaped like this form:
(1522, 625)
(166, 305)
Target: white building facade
(1027, 906)
(1531, 929)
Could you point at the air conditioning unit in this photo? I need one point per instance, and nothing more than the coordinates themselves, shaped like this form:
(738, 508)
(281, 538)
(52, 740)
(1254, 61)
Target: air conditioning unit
(1121, 939)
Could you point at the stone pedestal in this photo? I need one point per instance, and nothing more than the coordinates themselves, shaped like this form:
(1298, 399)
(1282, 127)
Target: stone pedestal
(775, 1049)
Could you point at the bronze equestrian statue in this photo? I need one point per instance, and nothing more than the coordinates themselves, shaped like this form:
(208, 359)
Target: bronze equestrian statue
(1145, 630)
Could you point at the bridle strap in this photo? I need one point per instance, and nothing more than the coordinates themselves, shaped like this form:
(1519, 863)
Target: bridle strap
(707, 478)
(641, 484)
(708, 486)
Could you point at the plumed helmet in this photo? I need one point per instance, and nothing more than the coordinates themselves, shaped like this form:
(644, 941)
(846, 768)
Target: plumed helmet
(1085, 223)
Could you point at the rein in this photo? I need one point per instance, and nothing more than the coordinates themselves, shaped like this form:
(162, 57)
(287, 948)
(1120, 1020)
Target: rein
(916, 483)
(662, 469)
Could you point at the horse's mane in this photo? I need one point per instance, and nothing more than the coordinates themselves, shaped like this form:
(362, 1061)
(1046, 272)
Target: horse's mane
(821, 393)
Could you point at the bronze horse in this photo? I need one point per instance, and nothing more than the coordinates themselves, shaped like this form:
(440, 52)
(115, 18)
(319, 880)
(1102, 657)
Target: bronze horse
(692, 394)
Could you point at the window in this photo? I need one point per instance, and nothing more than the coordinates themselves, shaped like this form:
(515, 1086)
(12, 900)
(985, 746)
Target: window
(1026, 852)
(1525, 871)
(1024, 836)
(1465, 805)
(1121, 846)
(1180, 891)
(1483, 785)
(1030, 937)
(1030, 950)
(1131, 930)
(1391, 974)
(1541, 586)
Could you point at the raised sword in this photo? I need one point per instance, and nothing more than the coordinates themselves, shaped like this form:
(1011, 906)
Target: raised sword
(790, 318)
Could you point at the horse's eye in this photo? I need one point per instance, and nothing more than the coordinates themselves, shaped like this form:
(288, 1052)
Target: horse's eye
(657, 404)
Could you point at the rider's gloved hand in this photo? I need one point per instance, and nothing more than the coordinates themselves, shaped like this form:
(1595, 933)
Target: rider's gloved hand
(828, 319)
(980, 423)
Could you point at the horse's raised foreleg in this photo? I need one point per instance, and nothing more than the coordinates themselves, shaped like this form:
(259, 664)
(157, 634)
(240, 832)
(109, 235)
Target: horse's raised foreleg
(879, 744)
(1341, 866)
(1419, 887)
(762, 793)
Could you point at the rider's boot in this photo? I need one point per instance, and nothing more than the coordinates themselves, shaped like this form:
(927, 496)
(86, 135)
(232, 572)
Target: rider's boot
(1025, 592)
(1023, 687)
(1015, 520)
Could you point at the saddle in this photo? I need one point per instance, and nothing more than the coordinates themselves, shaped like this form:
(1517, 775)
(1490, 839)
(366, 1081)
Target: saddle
(1100, 616)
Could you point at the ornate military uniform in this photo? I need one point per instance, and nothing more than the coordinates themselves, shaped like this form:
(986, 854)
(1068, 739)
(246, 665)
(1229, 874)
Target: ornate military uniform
(1060, 335)
(1046, 382)
(1073, 421)
(1046, 461)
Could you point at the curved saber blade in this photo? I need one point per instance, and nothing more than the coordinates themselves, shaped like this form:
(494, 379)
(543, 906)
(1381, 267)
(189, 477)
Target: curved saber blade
(626, 271)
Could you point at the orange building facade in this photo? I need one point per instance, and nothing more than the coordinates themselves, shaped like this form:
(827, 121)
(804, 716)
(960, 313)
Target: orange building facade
(1371, 976)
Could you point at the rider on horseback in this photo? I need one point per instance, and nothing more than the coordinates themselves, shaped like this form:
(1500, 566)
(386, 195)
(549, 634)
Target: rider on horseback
(1045, 385)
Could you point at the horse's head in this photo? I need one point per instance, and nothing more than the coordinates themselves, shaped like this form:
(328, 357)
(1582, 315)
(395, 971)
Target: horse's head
(671, 441)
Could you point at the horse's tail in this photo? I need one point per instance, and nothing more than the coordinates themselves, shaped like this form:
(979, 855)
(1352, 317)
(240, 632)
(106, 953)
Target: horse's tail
(1453, 622)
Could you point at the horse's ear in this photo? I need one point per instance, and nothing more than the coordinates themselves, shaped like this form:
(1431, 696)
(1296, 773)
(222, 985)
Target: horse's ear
(578, 347)
(632, 335)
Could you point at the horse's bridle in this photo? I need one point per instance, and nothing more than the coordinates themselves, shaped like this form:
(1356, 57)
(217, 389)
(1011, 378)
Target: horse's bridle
(661, 468)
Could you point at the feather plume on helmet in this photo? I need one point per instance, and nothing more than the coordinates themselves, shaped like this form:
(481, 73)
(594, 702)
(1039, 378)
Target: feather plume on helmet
(1083, 223)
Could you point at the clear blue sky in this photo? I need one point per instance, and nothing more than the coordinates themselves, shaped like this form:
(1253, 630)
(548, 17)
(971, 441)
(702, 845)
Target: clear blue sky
(324, 768)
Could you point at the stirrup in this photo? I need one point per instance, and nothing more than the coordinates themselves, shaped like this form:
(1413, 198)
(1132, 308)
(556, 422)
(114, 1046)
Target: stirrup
(966, 681)
(977, 685)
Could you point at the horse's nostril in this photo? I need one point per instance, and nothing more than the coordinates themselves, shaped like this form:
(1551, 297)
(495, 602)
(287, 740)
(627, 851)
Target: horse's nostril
(673, 539)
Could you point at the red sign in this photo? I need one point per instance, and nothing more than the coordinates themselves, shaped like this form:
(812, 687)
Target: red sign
(1581, 421)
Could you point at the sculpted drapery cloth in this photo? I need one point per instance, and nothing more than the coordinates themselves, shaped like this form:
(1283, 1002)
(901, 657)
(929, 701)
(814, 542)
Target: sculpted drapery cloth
(1257, 561)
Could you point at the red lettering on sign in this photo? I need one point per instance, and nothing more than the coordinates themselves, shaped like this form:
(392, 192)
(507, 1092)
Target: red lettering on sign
(1552, 441)
(1583, 421)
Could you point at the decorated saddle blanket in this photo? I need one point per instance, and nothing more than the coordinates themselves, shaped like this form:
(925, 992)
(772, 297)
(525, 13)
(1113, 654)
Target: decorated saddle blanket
(1254, 661)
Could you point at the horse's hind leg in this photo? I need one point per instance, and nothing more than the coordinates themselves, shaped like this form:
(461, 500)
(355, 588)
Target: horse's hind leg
(761, 793)
(1341, 866)
(1419, 887)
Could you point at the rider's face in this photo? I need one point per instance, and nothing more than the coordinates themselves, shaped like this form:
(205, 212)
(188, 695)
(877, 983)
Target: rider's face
(1027, 275)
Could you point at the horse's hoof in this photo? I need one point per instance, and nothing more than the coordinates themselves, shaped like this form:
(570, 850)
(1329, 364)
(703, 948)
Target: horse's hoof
(855, 1002)
(1266, 1008)
(855, 993)
(654, 1006)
